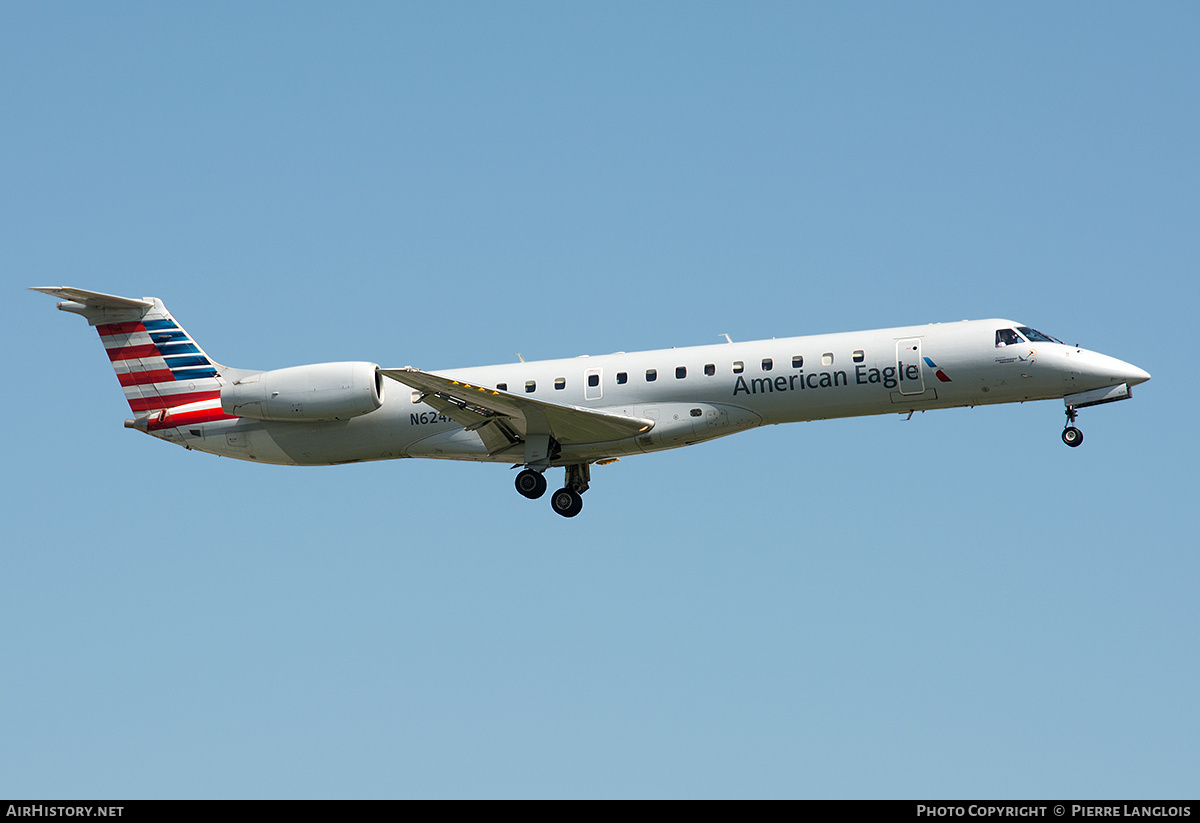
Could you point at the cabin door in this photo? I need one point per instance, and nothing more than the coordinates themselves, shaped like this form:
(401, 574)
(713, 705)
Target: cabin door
(908, 364)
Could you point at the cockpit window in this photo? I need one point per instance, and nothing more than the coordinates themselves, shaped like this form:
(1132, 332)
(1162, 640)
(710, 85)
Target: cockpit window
(1036, 336)
(1007, 337)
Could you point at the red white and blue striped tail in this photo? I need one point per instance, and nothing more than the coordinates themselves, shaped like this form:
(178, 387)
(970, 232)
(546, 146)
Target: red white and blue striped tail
(168, 379)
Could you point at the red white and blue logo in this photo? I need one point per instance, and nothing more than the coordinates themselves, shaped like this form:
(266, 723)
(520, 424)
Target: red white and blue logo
(162, 370)
(941, 375)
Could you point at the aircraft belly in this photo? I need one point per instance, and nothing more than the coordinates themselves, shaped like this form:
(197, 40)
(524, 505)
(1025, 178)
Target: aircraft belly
(343, 441)
(240, 439)
(305, 444)
(681, 424)
(460, 444)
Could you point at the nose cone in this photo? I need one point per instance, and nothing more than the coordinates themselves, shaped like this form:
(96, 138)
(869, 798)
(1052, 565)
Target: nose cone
(1102, 369)
(1134, 375)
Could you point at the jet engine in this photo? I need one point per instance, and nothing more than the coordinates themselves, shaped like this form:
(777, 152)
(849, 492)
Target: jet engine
(323, 391)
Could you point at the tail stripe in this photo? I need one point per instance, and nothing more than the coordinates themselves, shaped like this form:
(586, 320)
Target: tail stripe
(194, 374)
(176, 348)
(160, 367)
(140, 378)
(171, 400)
(150, 364)
(119, 328)
(177, 362)
(188, 416)
(173, 390)
(132, 352)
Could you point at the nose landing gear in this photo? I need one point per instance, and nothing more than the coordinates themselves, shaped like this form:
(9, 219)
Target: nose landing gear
(1071, 435)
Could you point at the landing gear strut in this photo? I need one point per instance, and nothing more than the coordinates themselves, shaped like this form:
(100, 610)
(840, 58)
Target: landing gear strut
(1071, 435)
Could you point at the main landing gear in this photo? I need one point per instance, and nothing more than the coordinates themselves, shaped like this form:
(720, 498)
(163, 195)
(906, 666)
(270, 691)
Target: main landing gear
(531, 484)
(567, 501)
(1071, 435)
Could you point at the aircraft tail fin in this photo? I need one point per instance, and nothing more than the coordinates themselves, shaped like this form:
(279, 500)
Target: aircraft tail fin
(160, 367)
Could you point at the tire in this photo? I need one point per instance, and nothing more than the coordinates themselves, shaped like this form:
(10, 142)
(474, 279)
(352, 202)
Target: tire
(531, 484)
(1072, 436)
(566, 502)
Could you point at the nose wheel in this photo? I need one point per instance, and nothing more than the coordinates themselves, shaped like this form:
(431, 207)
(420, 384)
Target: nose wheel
(1071, 435)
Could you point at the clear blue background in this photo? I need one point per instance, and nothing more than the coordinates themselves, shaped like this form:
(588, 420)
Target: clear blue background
(954, 606)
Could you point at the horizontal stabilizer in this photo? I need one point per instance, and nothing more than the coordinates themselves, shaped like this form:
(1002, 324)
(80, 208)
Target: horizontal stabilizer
(94, 299)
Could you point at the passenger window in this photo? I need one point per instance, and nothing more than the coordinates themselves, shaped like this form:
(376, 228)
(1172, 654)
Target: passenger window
(622, 378)
(738, 367)
(530, 385)
(593, 380)
(560, 383)
(797, 361)
(710, 369)
(1007, 337)
(502, 386)
(859, 356)
(680, 372)
(827, 359)
(651, 375)
(767, 364)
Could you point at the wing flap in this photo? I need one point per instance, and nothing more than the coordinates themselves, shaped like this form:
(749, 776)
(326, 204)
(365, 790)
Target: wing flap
(499, 415)
(492, 429)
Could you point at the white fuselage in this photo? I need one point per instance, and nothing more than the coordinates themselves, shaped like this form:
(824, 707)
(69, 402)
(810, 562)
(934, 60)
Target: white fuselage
(697, 393)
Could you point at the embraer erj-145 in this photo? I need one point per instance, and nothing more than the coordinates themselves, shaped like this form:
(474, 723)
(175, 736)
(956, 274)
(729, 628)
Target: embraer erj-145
(581, 411)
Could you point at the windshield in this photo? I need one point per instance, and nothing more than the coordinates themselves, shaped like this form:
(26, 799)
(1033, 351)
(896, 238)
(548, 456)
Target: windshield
(1036, 336)
(1007, 337)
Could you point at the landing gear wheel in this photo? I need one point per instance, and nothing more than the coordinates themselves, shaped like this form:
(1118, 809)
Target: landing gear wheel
(566, 502)
(1072, 436)
(531, 484)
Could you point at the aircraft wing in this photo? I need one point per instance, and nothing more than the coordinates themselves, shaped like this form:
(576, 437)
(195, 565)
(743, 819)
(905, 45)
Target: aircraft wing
(503, 420)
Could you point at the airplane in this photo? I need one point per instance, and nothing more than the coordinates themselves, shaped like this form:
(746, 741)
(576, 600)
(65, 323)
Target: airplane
(578, 412)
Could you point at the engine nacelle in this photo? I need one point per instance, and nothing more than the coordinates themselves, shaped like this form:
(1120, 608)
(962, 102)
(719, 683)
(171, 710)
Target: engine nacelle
(324, 391)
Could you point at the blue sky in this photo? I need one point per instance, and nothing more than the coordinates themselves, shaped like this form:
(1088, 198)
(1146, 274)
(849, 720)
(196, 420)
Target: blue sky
(953, 606)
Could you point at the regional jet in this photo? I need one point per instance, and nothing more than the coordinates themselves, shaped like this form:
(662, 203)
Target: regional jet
(578, 412)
